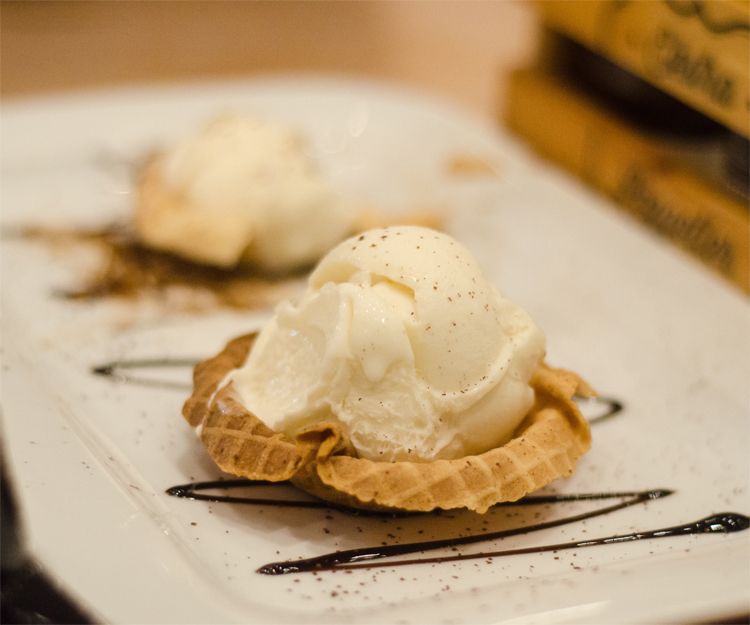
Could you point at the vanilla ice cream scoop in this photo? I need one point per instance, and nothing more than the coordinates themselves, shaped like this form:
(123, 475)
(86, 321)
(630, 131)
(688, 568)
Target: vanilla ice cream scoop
(243, 190)
(401, 339)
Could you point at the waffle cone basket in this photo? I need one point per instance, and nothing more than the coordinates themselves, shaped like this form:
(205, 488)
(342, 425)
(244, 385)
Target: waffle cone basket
(322, 461)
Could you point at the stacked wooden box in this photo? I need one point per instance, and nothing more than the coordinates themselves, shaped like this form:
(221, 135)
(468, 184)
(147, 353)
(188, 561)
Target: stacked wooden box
(650, 103)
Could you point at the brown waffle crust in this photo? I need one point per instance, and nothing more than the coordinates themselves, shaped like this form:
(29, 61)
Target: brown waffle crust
(322, 461)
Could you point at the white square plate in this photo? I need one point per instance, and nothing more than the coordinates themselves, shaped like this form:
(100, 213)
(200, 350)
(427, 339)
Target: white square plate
(92, 458)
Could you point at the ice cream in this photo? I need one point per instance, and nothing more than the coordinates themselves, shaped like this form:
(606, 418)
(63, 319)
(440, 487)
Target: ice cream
(241, 191)
(401, 339)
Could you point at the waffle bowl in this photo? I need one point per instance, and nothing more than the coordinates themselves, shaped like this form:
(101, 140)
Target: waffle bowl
(321, 461)
(166, 220)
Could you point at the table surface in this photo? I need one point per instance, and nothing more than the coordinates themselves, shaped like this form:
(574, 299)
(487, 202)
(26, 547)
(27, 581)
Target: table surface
(455, 50)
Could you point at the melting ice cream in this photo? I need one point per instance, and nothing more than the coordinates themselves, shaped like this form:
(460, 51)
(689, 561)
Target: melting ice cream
(401, 339)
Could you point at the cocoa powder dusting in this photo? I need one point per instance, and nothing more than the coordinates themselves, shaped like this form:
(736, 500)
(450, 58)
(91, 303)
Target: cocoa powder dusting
(130, 270)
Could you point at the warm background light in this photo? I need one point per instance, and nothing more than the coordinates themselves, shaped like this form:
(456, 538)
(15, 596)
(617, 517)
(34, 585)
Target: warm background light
(458, 50)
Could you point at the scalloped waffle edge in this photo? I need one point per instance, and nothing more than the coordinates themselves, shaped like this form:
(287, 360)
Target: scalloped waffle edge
(321, 460)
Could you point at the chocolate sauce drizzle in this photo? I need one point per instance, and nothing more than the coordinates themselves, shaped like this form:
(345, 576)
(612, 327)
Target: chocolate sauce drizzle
(372, 557)
(119, 371)
(192, 491)
(612, 407)
(355, 558)
(721, 523)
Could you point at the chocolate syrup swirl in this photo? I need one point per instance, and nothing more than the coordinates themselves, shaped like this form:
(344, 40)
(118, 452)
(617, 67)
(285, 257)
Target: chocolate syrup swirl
(612, 407)
(192, 491)
(721, 523)
(119, 371)
(351, 557)
(371, 557)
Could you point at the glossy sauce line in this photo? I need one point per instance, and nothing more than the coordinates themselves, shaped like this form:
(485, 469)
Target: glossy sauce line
(116, 371)
(614, 407)
(192, 491)
(721, 523)
(347, 557)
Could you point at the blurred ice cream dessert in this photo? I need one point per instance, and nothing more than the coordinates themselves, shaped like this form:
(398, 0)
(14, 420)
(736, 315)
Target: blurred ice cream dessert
(241, 191)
